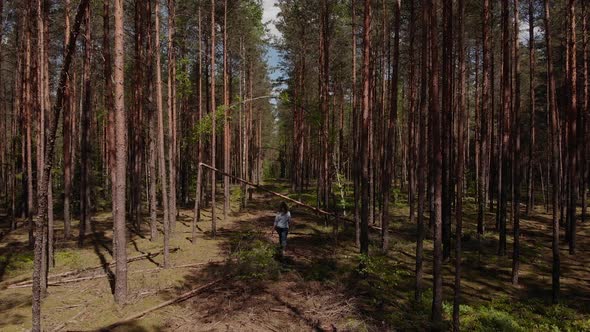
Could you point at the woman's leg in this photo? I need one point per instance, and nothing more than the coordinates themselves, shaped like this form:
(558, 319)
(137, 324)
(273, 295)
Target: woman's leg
(284, 233)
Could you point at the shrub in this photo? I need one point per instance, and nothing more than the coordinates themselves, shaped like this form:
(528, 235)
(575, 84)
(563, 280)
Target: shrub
(257, 262)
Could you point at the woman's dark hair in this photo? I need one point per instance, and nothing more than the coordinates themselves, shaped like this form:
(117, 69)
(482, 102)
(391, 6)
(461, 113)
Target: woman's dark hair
(283, 207)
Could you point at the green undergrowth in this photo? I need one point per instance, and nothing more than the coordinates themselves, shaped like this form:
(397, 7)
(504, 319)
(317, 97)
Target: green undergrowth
(505, 314)
(253, 258)
(15, 263)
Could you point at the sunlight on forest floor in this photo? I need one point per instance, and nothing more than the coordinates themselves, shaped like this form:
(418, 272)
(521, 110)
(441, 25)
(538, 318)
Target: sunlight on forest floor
(316, 286)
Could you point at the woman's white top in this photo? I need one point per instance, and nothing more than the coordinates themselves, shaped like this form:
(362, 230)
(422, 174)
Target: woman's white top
(282, 220)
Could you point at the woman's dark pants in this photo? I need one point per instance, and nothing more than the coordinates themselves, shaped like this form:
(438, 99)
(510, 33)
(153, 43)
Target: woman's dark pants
(282, 237)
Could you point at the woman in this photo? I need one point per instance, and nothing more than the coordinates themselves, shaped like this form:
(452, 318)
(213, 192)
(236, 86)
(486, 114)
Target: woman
(281, 225)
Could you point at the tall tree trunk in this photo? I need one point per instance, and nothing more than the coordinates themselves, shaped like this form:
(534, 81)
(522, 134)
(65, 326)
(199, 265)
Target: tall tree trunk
(422, 150)
(447, 110)
(85, 138)
(108, 100)
(152, 126)
(460, 172)
(172, 119)
(161, 138)
(226, 124)
(366, 123)
(119, 235)
(413, 119)
(47, 104)
(504, 171)
(516, 167)
(436, 119)
(390, 132)
(41, 222)
(584, 150)
(136, 135)
(532, 131)
(197, 213)
(554, 126)
(67, 136)
(213, 118)
(29, 119)
(355, 125)
(324, 181)
(573, 127)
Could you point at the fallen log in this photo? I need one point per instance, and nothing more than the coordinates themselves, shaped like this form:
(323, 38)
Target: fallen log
(68, 281)
(315, 209)
(26, 283)
(178, 299)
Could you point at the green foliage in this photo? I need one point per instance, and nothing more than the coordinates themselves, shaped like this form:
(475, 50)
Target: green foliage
(14, 262)
(505, 314)
(183, 81)
(257, 262)
(383, 273)
(202, 130)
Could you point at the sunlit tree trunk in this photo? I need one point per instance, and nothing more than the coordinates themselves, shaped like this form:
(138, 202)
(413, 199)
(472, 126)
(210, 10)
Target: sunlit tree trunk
(119, 235)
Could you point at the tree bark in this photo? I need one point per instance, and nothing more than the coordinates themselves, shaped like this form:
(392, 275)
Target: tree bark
(423, 150)
(172, 118)
(460, 172)
(153, 136)
(390, 132)
(436, 119)
(516, 166)
(161, 150)
(366, 123)
(41, 222)
(226, 123)
(554, 125)
(197, 213)
(85, 138)
(119, 234)
(532, 129)
(573, 127)
(213, 122)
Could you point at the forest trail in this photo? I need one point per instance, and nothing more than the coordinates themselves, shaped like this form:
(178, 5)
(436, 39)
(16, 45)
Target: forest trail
(315, 287)
(246, 302)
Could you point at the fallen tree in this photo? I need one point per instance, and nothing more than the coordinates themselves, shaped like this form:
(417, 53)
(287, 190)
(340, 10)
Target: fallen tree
(27, 282)
(177, 299)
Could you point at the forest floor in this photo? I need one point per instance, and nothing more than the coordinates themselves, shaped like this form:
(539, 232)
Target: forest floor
(317, 286)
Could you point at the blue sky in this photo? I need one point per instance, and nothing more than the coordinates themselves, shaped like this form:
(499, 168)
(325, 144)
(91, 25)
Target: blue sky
(269, 15)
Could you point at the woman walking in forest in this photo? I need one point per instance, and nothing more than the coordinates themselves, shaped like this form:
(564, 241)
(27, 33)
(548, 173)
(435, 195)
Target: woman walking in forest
(281, 225)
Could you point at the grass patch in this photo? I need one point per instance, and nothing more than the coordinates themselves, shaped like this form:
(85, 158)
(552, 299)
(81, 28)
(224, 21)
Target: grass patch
(503, 314)
(70, 258)
(15, 263)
